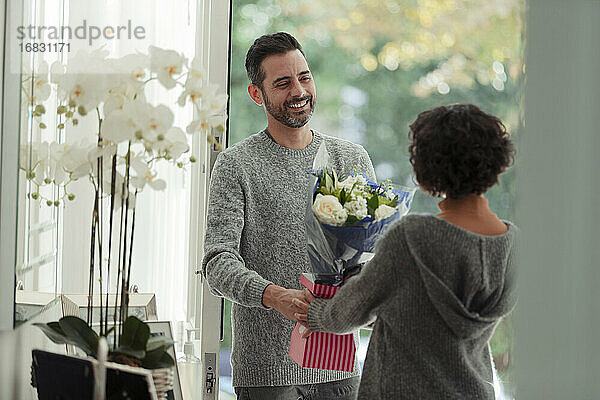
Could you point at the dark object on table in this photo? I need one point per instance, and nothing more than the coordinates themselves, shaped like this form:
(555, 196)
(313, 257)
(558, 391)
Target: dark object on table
(59, 376)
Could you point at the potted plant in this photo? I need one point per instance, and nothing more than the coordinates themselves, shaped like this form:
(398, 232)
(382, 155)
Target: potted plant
(132, 136)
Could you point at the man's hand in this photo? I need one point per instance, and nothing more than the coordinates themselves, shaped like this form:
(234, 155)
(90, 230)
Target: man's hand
(281, 299)
(301, 316)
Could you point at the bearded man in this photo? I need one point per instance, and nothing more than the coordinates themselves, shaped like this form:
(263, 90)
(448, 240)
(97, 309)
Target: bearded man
(255, 243)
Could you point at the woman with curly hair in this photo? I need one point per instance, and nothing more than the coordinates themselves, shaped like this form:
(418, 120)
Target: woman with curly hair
(438, 284)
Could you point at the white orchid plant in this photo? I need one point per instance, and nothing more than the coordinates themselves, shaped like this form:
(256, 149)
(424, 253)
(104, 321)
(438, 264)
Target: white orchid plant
(134, 131)
(132, 135)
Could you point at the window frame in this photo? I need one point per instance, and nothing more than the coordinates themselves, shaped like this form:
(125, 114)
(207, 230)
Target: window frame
(10, 12)
(204, 308)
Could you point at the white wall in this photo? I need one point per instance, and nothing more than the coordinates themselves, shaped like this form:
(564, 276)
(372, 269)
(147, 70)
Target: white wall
(7, 347)
(558, 332)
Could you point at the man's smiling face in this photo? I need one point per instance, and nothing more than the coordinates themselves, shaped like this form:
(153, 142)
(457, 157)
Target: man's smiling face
(288, 90)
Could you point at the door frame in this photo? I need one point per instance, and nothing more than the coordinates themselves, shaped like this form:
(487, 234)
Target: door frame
(204, 309)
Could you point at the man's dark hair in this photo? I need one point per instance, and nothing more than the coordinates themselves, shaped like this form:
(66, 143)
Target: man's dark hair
(458, 150)
(264, 46)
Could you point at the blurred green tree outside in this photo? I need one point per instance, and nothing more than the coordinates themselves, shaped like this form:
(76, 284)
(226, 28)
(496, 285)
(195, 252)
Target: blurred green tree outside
(377, 64)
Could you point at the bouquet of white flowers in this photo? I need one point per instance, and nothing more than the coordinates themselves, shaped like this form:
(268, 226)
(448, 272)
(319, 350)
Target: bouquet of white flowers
(354, 200)
(346, 217)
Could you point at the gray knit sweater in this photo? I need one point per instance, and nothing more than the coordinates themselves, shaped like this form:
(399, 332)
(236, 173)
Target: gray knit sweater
(255, 236)
(438, 292)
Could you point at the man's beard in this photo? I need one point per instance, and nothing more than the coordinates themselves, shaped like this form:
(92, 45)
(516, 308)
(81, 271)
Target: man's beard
(283, 113)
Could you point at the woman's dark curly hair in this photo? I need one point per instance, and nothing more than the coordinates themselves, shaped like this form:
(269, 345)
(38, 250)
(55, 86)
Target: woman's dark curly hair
(458, 150)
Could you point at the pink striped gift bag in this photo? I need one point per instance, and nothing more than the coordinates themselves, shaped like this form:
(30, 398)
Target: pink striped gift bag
(322, 350)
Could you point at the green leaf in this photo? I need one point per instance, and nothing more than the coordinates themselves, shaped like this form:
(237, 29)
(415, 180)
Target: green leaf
(372, 204)
(156, 342)
(343, 196)
(383, 200)
(53, 331)
(156, 353)
(128, 351)
(79, 334)
(160, 360)
(135, 334)
(153, 357)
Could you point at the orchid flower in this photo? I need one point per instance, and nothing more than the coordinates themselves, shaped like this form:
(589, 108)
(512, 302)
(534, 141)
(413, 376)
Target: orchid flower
(144, 175)
(151, 122)
(83, 80)
(116, 89)
(166, 64)
(174, 144)
(36, 88)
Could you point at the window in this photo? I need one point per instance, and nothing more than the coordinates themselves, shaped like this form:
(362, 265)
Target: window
(376, 65)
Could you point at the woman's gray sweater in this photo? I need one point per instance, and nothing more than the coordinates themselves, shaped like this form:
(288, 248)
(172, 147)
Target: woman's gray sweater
(438, 292)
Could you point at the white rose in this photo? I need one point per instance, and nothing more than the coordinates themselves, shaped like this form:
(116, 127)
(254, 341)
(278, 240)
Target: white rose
(383, 211)
(357, 207)
(328, 210)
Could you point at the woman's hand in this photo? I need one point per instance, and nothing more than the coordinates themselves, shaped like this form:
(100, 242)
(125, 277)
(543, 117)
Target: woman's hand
(301, 316)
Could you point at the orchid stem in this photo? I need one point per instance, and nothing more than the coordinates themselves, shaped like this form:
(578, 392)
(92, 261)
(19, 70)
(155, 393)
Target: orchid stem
(110, 227)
